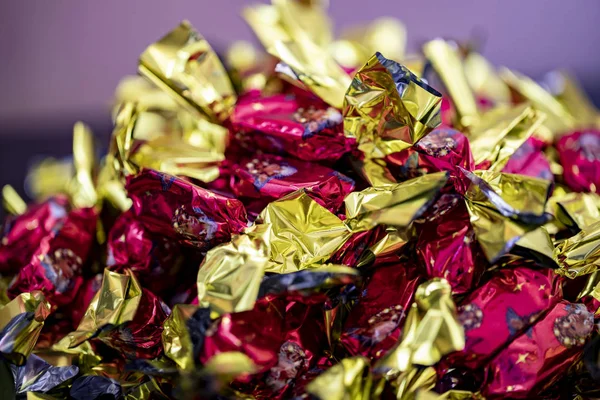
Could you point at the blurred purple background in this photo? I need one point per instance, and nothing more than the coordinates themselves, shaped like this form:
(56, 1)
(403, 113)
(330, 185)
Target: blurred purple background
(61, 59)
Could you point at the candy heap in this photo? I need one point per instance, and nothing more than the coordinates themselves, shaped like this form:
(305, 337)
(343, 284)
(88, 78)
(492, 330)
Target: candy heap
(317, 222)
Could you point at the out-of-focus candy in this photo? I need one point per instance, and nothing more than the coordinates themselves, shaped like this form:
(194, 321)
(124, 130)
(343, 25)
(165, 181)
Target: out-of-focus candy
(529, 364)
(21, 322)
(183, 64)
(301, 127)
(177, 209)
(12, 202)
(565, 88)
(530, 160)
(579, 154)
(56, 265)
(94, 387)
(484, 80)
(388, 109)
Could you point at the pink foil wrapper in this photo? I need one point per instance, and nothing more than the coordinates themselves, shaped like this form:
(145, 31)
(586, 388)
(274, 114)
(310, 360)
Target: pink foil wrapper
(447, 247)
(56, 266)
(375, 322)
(536, 360)
(502, 309)
(305, 128)
(23, 234)
(177, 209)
(154, 259)
(579, 154)
(530, 160)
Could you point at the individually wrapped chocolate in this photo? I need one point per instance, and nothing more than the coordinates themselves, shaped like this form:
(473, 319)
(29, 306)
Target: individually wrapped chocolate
(57, 264)
(525, 368)
(366, 106)
(178, 209)
(300, 126)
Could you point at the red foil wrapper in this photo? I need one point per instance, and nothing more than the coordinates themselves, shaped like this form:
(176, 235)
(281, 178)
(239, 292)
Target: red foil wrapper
(443, 149)
(305, 128)
(180, 210)
(579, 154)
(502, 309)
(56, 266)
(350, 253)
(87, 292)
(263, 178)
(536, 360)
(530, 160)
(153, 258)
(142, 336)
(375, 322)
(24, 233)
(283, 338)
(447, 247)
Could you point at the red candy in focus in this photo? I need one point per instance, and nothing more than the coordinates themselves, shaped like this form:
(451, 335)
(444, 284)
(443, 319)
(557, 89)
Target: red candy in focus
(23, 234)
(530, 160)
(56, 266)
(375, 321)
(447, 247)
(579, 154)
(502, 309)
(264, 178)
(533, 362)
(180, 210)
(305, 128)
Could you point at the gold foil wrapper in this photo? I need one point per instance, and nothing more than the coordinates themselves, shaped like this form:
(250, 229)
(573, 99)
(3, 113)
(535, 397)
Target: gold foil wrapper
(484, 79)
(388, 109)
(415, 382)
(48, 178)
(501, 131)
(350, 379)
(395, 205)
(176, 339)
(558, 120)
(230, 275)
(24, 336)
(82, 189)
(302, 234)
(504, 207)
(357, 43)
(431, 330)
(184, 65)
(12, 202)
(115, 303)
(580, 254)
(446, 60)
(567, 91)
(575, 210)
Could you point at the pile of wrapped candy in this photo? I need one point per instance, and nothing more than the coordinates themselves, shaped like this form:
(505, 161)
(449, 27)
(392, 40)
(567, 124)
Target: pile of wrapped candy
(315, 221)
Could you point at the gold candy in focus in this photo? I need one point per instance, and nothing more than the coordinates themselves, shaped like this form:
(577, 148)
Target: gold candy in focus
(580, 254)
(431, 330)
(396, 205)
(184, 65)
(21, 338)
(575, 210)
(445, 58)
(175, 337)
(115, 303)
(388, 109)
(231, 273)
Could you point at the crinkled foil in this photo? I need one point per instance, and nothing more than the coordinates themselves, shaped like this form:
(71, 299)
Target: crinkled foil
(184, 65)
(176, 338)
(350, 379)
(388, 109)
(431, 331)
(21, 322)
(579, 254)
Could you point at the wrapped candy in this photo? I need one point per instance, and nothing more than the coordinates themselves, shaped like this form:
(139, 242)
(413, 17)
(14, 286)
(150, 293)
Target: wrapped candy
(578, 152)
(177, 209)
